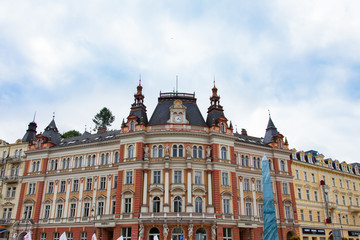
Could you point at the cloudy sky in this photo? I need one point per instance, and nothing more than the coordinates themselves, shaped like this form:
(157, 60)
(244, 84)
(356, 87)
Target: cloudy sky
(300, 59)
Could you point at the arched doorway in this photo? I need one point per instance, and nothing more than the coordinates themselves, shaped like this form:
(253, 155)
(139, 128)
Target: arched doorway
(176, 233)
(201, 234)
(21, 236)
(154, 232)
(289, 235)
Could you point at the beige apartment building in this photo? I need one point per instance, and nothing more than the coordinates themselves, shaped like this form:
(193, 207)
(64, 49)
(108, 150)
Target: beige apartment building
(327, 196)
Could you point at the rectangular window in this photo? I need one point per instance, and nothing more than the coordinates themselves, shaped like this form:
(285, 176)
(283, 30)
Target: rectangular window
(129, 177)
(299, 193)
(337, 199)
(88, 184)
(198, 177)
(8, 192)
(261, 210)
(59, 211)
(248, 209)
(246, 184)
(354, 186)
(226, 203)
(157, 177)
(127, 205)
(69, 236)
(313, 178)
(350, 201)
(287, 212)
(72, 209)
(32, 187)
(348, 185)
(297, 175)
(341, 185)
(227, 233)
(343, 199)
(310, 216)
(115, 181)
(62, 186)
(285, 188)
(4, 213)
(113, 207)
(177, 176)
(100, 208)
(308, 194)
(51, 187)
(334, 182)
(354, 220)
(47, 211)
(56, 236)
(83, 236)
(27, 212)
(76, 185)
(86, 209)
(126, 233)
(316, 196)
(305, 176)
(43, 236)
(258, 186)
(318, 216)
(357, 201)
(302, 215)
(102, 183)
(225, 179)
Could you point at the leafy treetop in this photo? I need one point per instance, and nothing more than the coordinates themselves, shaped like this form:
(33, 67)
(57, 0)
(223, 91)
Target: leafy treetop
(103, 118)
(71, 133)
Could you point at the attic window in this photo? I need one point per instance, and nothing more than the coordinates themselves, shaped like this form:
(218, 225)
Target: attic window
(280, 143)
(132, 126)
(222, 126)
(38, 143)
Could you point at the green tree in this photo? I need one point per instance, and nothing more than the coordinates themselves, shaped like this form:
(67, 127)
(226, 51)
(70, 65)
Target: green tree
(104, 118)
(71, 133)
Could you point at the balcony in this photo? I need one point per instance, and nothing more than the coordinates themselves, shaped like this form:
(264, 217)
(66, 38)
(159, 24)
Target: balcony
(11, 179)
(5, 221)
(14, 159)
(354, 209)
(176, 215)
(331, 205)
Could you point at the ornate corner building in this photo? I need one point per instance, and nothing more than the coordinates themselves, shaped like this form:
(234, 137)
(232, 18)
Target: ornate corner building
(327, 196)
(175, 173)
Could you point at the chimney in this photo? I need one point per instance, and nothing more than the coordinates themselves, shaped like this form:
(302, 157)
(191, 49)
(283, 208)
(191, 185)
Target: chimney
(243, 132)
(101, 129)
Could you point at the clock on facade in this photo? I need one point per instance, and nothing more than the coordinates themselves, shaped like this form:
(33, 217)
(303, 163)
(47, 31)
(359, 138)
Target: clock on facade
(177, 118)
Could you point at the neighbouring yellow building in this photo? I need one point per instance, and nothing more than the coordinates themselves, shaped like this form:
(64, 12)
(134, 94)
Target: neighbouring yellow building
(327, 196)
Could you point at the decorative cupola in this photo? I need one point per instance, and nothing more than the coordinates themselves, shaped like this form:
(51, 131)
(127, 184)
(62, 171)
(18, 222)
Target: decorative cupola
(30, 134)
(137, 114)
(273, 137)
(215, 112)
(51, 133)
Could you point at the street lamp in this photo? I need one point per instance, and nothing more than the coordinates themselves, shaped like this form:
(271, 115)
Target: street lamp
(94, 213)
(342, 233)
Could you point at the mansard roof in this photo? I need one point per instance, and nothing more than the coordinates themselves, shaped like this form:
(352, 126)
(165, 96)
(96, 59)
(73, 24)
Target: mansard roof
(161, 113)
(250, 139)
(52, 133)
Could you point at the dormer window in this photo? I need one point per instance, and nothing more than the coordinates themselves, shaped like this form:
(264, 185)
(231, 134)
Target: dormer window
(38, 143)
(222, 126)
(280, 143)
(132, 126)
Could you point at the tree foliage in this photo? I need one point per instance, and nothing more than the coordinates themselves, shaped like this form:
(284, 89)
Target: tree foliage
(71, 133)
(104, 118)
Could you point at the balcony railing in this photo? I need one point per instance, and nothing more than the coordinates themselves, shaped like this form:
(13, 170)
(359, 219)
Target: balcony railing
(11, 179)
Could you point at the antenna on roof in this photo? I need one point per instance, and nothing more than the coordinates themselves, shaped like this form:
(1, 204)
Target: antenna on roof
(177, 83)
(236, 127)
(34, 116)
(214, 80)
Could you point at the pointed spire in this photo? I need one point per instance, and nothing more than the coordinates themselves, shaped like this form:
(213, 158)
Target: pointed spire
(30, 134)
(215, 110)
(138, 108)
(231, 126)
(286, 141)
(51, 132)
(271, 131)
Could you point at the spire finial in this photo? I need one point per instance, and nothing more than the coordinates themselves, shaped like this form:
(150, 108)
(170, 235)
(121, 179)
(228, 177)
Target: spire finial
(34, 116)
(269, 113)
(236, 128)
(85, 128)
(214, 80)
(53, 115)
(140, 79)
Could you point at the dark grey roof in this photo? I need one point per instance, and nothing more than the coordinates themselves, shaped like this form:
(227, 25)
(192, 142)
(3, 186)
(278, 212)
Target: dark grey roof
(214, 115)
(30, 134)
(52, 133)
(250, 139)
(271, 131)
(88, 138)
(161, 113)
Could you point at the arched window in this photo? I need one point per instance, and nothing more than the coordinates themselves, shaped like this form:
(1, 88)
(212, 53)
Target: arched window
(107, 158)
(102, 159)
(177, 204)
(223, 153)
(174, 150)
(93, 159)
(194, 152)
(34, 166)
(38, 166)
(116, 157)
(156, 204)
(181, 151)
(282, 166)
(64, 163)
(199, 152)
(258, 162)
(56, 164)
(38, 143)
(16, 153)
(154, 232)
(201, 234)
(280, 143)
(223, 127)
(246, 161)
(254, 162)
(132, 126)
(20, 153)
(89, 161)
(80, 161)
(198, 205)
(154, 151)
(76, 162)
(131, 151)
(242, 160)
(68, 163)
(52, 165)
(160, 151)
(17, 171)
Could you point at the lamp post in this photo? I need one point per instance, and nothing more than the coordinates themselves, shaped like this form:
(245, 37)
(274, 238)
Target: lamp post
(342, 233)
(94, 213)
(181, 236)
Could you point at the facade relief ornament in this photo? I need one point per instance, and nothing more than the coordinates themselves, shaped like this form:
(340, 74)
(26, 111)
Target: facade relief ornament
(190, 230)
(146, 151)
(165, 230)
(213, 231)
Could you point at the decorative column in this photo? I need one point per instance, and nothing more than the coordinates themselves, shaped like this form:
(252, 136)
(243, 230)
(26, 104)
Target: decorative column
(144, 207)
(166, 195)
(189, 206)
(253, 187)
(210, 207)
(242, 203)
